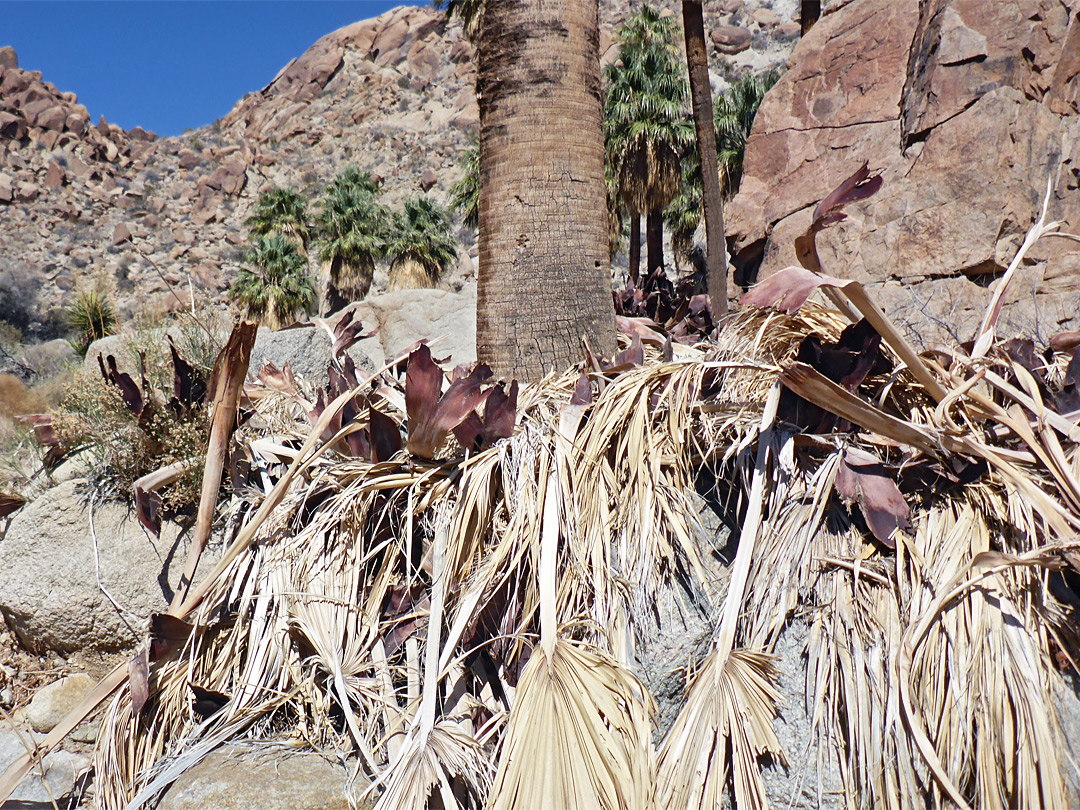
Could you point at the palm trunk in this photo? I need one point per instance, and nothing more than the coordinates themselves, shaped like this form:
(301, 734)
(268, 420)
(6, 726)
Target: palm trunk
(697, 62)
(544, 278)
(635, 246)
(810, 11)
(654, 241)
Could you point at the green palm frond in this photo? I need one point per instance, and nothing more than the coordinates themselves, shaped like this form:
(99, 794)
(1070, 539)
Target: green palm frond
(422, 235)
(734, 111)
(465, 193)
(646, 125)
(281, 209)
(274, 286)
(353, 225)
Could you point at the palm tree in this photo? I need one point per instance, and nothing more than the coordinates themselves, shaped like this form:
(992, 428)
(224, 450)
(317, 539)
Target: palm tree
(544, 281)
(353, 227)
(465, 193)
(645, 120)
(421, 247)
(734, 111)
(697, 62)
(273, 286)
(283, 210)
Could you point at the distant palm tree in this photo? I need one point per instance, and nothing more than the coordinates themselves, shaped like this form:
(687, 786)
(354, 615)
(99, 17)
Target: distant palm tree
(465, 193)
(283, 210)
(734, 111)
(353, 227)
(273, 286)
(421, 247)
(646, 126)
(353, 177)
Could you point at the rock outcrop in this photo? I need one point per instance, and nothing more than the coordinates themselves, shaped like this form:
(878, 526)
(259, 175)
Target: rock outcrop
(78, 577)
(262, 777)
(966, 109)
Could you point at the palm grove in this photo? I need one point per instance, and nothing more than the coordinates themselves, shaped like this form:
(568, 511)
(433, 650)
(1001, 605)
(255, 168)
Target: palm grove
(641, 161)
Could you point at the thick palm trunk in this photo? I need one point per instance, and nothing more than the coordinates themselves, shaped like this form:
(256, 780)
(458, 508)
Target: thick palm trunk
(697, 62)
(654, 241)
(544, 275)
(635, 246)
(810, 11)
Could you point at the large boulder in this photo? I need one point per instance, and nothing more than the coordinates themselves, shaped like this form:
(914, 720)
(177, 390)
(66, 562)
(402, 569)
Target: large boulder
(251, 777)
(405, 316)
(61, 555)
(966, 109)
(307, 351)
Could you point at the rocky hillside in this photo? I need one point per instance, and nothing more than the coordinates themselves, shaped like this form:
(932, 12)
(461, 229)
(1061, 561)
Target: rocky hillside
(157, 220)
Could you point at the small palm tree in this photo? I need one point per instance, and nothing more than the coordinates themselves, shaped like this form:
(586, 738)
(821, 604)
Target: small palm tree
(283, 210)
(734, 111)
(273, 286)
(422, 245)
(353, 227)
(465, 193)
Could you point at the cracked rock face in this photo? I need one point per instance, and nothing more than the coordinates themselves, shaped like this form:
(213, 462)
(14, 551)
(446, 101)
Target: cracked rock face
(966, 109)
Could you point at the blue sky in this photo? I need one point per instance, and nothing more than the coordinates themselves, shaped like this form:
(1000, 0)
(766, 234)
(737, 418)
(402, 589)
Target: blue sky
(168, 65)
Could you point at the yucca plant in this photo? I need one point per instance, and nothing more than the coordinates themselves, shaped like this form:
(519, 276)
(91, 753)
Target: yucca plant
(273, 287)
(281, 210)
(422, 246)
(91, 316)
(353, 227)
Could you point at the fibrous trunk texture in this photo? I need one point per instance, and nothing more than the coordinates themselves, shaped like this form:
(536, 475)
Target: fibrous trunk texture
(408, 273)
(635, 245)
(544, 277)
(654, 239)
(697, 62)
(345, 282)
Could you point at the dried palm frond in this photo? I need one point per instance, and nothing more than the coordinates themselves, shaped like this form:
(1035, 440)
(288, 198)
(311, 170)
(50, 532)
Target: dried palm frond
(481, 599)
(408, 273)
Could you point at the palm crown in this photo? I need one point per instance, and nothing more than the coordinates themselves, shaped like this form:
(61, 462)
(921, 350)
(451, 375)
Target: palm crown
(422, 245)
(280, 209)
(273, 286)
(646, 128)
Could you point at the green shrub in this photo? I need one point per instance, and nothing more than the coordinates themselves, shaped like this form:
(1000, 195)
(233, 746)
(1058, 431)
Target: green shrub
(93, 417)
(91, 316)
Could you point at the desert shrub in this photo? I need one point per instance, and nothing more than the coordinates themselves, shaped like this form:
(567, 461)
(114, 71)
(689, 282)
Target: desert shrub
(91, 316)
(16, 399)
(19, 297)
(94, 417)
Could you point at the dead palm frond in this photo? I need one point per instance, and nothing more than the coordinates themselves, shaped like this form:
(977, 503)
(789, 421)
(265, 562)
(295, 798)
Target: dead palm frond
(436, 611)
